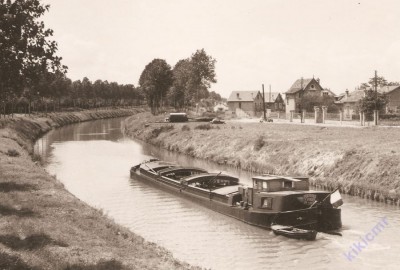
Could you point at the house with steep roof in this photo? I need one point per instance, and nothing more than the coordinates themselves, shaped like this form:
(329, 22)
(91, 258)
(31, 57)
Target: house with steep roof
(250, 102)
(298, 89)
(274, 101)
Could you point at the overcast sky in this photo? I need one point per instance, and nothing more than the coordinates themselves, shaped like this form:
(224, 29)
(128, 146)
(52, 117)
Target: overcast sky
(273, 42)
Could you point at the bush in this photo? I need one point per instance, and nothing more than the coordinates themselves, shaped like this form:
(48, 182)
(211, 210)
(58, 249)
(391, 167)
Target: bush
(204, 127)
(157, 131)
(13, 153)
(259, 143)
(32, 242)
(185, 128)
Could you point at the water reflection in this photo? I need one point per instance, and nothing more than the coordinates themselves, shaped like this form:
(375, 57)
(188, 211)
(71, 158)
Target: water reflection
(92, 159)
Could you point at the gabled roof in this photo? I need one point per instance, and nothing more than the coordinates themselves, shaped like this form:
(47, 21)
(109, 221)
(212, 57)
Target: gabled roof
(243, 96)
(352, 96)
(388, 89)
(299, 85)
(272, 97)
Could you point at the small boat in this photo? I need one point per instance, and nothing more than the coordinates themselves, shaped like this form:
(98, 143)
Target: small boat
(292, 232)
(272, 199)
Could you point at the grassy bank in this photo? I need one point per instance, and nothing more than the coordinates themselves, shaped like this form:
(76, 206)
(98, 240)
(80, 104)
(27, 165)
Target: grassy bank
(362, 161)
(43, 226)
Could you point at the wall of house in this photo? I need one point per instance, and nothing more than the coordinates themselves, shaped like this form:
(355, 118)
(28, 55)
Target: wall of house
(394, 101)
(290, 103)
(247, 106)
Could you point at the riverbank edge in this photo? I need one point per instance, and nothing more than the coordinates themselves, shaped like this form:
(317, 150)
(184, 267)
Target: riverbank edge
(33, 203)
(160, 135)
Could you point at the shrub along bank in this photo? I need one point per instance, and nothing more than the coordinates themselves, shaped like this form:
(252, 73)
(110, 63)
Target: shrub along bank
(361, 161)
(43, 226)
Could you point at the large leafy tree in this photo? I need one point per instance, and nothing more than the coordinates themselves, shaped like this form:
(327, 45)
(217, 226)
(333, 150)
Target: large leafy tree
(178, 94)
(155, 81)
(26, 52)
(192, 79)
(202, 74)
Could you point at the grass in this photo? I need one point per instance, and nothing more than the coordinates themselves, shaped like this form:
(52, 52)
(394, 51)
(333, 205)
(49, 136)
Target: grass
(12, 153)
(43, 226)
(12, 262)
(12, 186)
(32, 242)
(20, 212)
(102, 265)
(362, 161)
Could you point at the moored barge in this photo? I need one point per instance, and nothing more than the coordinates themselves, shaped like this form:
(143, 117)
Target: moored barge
(272, 199)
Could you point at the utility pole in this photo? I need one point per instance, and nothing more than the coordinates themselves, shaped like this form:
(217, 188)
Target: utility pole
(270, 94)
(376, 99)
(265, 117)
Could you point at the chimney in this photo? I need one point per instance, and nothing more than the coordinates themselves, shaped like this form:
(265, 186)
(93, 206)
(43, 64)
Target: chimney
(237, 95)
(347, 92)
(318, 80)
(301, 83)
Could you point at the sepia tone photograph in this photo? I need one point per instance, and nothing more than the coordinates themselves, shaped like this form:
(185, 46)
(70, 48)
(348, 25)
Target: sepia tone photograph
(188, 134)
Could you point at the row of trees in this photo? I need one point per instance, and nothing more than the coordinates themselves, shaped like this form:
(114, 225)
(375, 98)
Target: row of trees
(32, 74)
(185, 85)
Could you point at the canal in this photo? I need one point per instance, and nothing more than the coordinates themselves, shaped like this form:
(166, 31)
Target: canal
(92, 160)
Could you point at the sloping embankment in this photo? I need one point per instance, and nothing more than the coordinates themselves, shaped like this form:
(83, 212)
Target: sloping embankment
(43, 226)
(361, 161)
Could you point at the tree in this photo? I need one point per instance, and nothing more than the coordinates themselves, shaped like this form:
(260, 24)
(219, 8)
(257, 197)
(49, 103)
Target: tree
(26, 52)
(202, 74)
(380, 82)
(309, 100)
(155, 81)
(179, 94)
(372, 101)
(215, 96)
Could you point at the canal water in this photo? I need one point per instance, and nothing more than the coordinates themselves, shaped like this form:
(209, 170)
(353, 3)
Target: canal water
(92, 160)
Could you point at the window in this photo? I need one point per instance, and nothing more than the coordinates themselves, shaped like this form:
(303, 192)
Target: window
(266, 203)
(312, 86)
(264, 185)
(287, 184)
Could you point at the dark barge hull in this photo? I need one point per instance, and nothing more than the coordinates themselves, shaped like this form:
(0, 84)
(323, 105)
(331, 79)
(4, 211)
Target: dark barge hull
(304, 218)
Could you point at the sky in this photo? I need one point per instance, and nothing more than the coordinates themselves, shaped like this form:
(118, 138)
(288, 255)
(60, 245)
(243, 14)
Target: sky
(255, 42)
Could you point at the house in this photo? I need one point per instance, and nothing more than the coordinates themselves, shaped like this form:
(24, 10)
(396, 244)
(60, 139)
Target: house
(301, 87)
(393, 94)
(274, 101)
(349, 103)
(249, 102)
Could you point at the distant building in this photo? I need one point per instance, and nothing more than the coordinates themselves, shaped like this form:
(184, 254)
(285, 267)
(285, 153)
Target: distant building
(349, 103)
(249, 102)
(393, 95)
(301, 87)
(274, 101)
